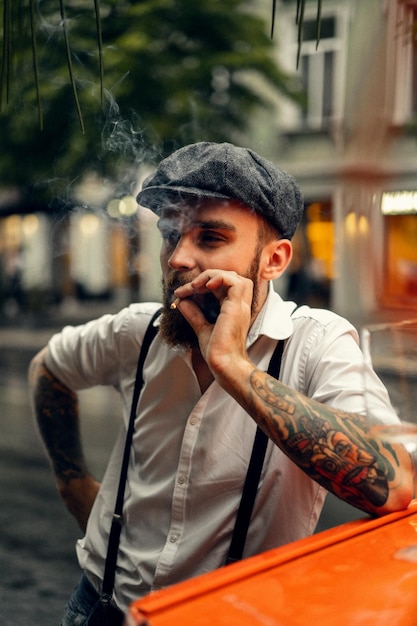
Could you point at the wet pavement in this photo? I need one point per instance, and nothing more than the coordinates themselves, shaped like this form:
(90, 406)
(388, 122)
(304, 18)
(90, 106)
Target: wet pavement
(38, 568)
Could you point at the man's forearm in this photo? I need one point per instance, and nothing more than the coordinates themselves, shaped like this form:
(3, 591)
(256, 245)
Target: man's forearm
(330, 445)
(56, 411)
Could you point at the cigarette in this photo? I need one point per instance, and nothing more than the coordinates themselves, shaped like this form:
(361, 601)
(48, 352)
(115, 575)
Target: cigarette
(175, 303)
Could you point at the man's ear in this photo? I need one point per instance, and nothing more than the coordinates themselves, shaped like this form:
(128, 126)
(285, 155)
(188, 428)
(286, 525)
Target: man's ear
(276, 257)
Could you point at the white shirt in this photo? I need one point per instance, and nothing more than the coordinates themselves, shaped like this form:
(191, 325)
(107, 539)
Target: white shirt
(190, 452)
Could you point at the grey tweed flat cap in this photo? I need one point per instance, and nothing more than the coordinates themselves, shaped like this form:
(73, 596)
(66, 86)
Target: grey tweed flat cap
(222, 170)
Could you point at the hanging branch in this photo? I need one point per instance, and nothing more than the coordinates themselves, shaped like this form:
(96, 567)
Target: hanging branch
(69, 63)
(35, 62)
(274, 6)
(5, 66)
(6, 61)
(318, 23)
(7, 49)
(299, 20)
(100, 50)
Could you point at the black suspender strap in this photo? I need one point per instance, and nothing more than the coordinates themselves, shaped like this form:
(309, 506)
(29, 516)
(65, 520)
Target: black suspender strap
(249, 489)
(117, 520)
(253, 475)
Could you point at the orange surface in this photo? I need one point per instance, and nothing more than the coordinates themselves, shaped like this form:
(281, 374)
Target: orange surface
(351, 575)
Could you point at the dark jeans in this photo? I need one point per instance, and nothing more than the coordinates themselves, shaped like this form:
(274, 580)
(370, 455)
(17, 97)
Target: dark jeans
(81, 605)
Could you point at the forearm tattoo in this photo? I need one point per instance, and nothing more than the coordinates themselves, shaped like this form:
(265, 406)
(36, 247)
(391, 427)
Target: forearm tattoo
(56, 411)
(329, 445)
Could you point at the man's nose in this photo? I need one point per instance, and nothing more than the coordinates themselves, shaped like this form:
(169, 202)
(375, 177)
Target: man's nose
(182, 256)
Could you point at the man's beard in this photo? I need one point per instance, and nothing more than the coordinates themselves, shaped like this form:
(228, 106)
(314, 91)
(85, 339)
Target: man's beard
(174, 328)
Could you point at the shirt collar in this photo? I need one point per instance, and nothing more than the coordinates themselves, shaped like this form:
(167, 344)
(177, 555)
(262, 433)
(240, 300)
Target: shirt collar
(274, 319)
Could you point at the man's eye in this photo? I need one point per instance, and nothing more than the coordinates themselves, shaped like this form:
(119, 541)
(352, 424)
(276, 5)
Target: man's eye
(211, 237)
(171, 236)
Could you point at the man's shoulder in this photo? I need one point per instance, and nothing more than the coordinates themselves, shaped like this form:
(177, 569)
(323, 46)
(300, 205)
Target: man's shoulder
(140, 309)
(128, 326)
(281, 318)
(137, 314)
(314, 325)
(322, 316)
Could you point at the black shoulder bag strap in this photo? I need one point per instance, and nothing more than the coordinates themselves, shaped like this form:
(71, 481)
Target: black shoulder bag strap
(117, 520)
(253, 475)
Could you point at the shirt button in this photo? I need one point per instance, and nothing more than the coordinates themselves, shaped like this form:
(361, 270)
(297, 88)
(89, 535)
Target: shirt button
(181, 480)
(193, 421)
(173, 538)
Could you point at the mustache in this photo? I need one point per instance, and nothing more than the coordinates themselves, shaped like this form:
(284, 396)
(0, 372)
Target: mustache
(172, 283)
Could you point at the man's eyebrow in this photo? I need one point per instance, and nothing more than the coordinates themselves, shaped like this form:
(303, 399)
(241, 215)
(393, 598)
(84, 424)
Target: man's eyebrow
(171, 222)
(215, 225)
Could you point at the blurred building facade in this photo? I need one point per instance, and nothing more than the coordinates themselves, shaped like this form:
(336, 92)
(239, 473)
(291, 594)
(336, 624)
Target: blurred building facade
(353, 149)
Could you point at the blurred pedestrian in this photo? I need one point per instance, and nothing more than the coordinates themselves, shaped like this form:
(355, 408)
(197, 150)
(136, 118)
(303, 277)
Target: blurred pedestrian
(13, 269)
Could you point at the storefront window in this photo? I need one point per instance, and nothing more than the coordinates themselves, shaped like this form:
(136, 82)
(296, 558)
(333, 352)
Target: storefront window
(401, 260)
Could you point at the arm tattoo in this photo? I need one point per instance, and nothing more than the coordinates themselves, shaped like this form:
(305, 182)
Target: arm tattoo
(328, 444)
(56, 411)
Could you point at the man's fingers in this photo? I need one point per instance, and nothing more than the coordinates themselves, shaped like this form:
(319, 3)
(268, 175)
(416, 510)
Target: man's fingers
(217, 281)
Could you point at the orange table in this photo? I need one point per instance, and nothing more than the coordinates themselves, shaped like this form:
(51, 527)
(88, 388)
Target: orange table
(361, 573)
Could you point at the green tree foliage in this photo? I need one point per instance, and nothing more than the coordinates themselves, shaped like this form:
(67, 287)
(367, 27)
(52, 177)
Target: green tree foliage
(173, 73)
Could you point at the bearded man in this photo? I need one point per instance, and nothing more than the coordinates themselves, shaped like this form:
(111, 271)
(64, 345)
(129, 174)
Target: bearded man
(226, 218)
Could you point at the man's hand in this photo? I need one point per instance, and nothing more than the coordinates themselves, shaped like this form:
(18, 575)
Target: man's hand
(225, 341)
(79, 495)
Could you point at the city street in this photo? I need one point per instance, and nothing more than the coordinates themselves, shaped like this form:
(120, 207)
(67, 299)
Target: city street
(38, 564)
